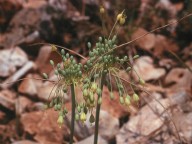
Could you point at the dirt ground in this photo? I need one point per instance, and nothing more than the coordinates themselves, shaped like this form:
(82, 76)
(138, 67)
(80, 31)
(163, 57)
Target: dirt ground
(164, 113)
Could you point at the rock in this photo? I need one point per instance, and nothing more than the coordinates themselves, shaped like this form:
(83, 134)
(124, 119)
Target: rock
(44, 92)
(22, 104)
(183, 124)
(144, 124)
(7, 99)
(34, 4)
(113, 107)
(43, 126)
(29, 85)
(108, 126)
(24, 142)
(10, 59)
(90, 140)
(147, 42)
(179, 78)
(162, 44)
(146, 70)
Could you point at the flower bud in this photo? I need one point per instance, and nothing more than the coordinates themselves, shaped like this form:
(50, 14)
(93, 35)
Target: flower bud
(121, 100)
(60, 120)
(83, 117)
(141, 81)
(45, 76)
(100, 100)
(92, 119)
(94, 87)
(135, 97)
(51, 62)
(102, 10)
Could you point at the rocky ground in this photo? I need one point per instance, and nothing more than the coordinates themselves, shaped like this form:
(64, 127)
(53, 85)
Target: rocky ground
(165, 63)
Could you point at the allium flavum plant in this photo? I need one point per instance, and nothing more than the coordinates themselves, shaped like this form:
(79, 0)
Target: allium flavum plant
(101, 68)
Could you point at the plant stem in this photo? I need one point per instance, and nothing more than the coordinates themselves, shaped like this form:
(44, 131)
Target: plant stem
(98, 111)
(72, 113)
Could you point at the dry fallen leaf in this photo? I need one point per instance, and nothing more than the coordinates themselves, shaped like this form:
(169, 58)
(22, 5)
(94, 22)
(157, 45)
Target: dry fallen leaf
(146, 70)
(147, 42)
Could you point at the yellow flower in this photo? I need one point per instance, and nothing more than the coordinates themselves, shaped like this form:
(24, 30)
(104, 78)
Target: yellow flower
(83, 117)
(102, 10)
(60, 120)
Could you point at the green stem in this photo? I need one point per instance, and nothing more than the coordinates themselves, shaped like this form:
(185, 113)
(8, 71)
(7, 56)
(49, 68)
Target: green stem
(72, 113)
(98, 111)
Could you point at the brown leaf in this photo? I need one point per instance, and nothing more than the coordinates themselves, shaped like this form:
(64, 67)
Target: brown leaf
(146, 70)
(147, 42)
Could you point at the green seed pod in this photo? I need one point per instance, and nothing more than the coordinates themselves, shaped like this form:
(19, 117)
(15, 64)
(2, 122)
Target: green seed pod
(55, 100)
(55, 107)
(100, 100)
(125, 58)
(135, 97)
(85, 110)
(100, 39)
(114, 39)
(51, 62)
(89, 45)
(58, 65)
(96, 76)
(83, 117)
(76, 116)
(105, 71)
(141, 81)
(78, 108)
(121, 100)
(111, 96)
(136, 56)
(99, 91)
(92, 118)
(65, 89)
(58, 106)
(85, 66)
(61, 113)
(45, 76)
(51, 104)
(128, 69)
(45, 106)
(91, 96)
(94, 87)
(60, 121)
(67, 55)
(127, 100)
(65, 111)
(85, 92)
(62, 52)
(56, 72)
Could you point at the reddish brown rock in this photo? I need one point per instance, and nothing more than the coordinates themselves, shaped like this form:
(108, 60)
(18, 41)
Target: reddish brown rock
(43, 126)
(7, 99)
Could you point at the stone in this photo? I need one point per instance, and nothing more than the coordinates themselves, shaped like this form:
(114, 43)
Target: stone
(90, 140)
(24, 142)
(29, 85)
(145, 123)
(10, 59)
(43, 126)
(7, 99)
(147, 42)
(146, 70)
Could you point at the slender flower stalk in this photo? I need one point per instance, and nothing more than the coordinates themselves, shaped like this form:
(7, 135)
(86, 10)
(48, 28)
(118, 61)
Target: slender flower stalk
(72, 113)
(98, 110)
